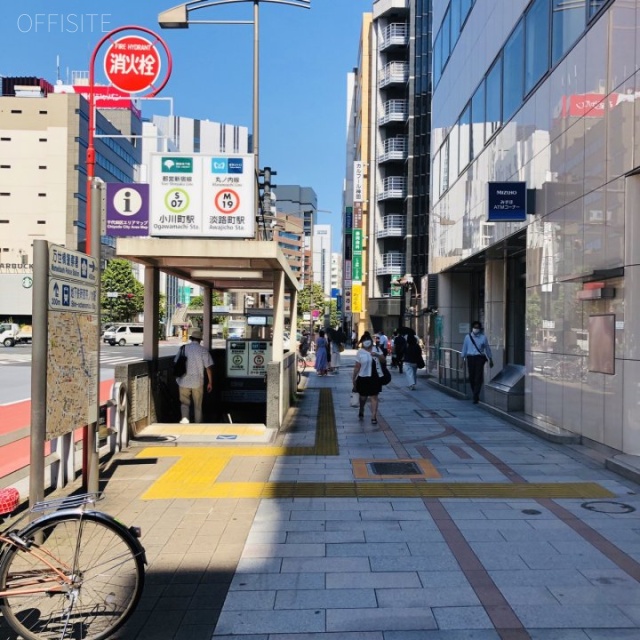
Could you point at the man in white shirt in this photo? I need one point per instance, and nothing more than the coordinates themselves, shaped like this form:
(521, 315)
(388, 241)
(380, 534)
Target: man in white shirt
(191, 384)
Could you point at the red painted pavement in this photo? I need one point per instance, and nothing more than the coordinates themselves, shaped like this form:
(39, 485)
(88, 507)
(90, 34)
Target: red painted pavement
(16, 416)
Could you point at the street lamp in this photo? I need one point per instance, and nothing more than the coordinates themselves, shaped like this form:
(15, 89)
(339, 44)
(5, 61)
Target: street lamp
(178, 18)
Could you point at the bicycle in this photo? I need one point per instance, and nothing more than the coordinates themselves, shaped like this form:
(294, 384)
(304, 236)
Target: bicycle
(74, 573)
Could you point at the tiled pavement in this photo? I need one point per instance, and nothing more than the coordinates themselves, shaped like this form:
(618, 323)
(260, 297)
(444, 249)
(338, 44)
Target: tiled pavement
(383, 568)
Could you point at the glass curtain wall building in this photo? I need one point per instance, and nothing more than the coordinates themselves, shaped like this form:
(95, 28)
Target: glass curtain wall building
(542, 92)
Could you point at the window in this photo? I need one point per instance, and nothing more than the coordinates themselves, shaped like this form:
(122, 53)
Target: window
(595, 6)
(494, 98)
(5, 139)
(477, 121)
(42, 222)
(465, 7)
(437, 58)
(513, 72)
(43, 113)
(4, 222)
(465, 137)
(42, 166)
(4, 193)
(16, 110)
(568, 24)
(454, 9)
(5, 166)
(537, 43)
(42, 195)
(454, 153)
(42, 139)
(446, 36)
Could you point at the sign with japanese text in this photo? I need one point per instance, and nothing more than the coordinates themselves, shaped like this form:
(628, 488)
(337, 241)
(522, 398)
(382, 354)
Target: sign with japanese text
(347, 300)
(507, 201)
(132, 64)
(176, 196)
(73, 265)
(357, 215)
(358, 181)
(237, 358)
(356, 268)
(357, 241)
(204, 196)
(356, 298)
(127, 209)
(229, 207)
(259, 356)
(348, 219)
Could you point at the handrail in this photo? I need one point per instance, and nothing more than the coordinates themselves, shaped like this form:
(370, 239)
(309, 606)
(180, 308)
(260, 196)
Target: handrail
(449, 367)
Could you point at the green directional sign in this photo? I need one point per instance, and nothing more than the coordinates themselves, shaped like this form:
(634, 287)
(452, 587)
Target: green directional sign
(357, 241)
(356, 268)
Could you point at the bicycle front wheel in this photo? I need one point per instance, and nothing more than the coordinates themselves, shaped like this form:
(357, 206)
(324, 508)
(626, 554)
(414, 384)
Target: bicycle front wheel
(80, 578)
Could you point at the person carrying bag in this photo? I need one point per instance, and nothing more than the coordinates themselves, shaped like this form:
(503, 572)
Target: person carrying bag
(476, 352)
(368, 376)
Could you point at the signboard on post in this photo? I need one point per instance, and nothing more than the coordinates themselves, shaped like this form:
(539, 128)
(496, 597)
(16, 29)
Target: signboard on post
(507, 201)
(72, 341)
(132, 64)
(202, 196)
(127, 209)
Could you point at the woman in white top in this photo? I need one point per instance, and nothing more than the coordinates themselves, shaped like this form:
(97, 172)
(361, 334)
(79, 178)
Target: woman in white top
(367, 376)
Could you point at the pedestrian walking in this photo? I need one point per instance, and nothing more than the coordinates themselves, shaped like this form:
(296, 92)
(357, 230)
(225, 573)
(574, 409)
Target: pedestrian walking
(476, 353)
(412, 361)
(191, 384)
(367, 376)
(399, 349)
(321, 363)
(335, 356)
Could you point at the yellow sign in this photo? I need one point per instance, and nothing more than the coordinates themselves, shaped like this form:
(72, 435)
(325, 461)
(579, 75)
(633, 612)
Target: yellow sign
(356, 298)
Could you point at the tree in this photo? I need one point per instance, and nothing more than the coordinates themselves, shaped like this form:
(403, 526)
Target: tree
(118, 278)
(309, 299)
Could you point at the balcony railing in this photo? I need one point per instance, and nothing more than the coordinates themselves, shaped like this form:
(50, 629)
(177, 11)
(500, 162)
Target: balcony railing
(394, 149)
(394, 111)
(395, 34)
(392, 263)
(394, 73)
(394, 226)
(393, 187)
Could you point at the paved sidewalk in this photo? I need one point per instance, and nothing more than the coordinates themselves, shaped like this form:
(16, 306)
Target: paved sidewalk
(494, 534)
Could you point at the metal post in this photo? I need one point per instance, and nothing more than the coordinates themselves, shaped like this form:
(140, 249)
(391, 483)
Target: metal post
(256, 101)
(39, 369)
(91, 469)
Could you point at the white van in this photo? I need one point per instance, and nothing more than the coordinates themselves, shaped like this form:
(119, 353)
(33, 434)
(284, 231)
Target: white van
(123, 334)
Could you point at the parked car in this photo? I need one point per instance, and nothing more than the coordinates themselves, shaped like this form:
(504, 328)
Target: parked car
(11, 334)
(124, 334)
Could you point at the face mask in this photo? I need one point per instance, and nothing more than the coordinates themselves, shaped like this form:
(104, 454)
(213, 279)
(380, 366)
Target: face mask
(366, 343)
(476, 331)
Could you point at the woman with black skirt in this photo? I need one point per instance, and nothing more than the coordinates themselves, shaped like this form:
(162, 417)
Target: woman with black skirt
(367, 376)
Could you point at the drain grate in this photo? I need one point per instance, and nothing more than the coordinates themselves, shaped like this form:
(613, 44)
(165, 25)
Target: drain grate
(395, 469)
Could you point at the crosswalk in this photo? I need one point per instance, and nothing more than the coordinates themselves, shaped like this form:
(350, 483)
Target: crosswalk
(22, 359)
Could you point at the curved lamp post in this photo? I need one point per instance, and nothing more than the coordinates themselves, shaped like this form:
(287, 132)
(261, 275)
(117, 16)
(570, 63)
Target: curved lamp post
(178, 17)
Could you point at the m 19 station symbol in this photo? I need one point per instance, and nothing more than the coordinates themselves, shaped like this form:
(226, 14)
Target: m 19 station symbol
(227, 201)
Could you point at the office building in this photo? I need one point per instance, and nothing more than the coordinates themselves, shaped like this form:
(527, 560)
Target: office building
(301, 202)
(540, 95)
(43, 142)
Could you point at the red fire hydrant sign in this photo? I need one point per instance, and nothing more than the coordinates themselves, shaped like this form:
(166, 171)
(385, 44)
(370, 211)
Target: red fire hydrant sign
(132, 64)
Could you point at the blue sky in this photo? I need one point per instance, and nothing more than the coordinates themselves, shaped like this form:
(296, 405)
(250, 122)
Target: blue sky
(305, 56)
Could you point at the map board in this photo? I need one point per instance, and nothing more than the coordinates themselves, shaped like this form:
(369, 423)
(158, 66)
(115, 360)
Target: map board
(72, 329)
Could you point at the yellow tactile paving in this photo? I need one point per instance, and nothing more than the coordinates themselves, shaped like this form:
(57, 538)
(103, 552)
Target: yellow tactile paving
(197, 469)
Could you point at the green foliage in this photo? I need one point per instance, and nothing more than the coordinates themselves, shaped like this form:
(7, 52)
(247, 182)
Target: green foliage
(118, 277)
(311, 297)
(196, 302)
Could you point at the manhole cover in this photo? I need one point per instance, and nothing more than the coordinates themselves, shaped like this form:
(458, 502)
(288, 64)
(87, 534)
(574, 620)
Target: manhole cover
(531, 512)
(395, 469)
(608, 506)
